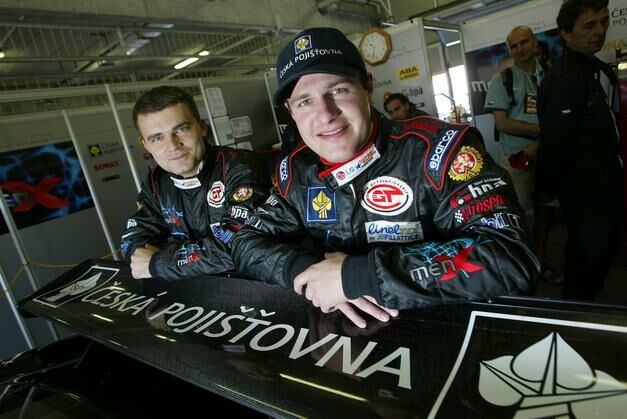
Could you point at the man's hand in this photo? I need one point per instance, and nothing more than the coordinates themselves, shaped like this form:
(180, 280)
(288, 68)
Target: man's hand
(532, 150)
(367, 304)
(140, 261)
(323, 282)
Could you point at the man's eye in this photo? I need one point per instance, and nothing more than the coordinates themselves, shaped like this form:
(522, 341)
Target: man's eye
(339, 90)
(304, 102)
(156, 139)
(182, 130)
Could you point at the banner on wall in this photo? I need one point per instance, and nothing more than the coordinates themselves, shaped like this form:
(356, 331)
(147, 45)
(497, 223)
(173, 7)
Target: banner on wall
(43, 183)
(484, 63)
(405, 70)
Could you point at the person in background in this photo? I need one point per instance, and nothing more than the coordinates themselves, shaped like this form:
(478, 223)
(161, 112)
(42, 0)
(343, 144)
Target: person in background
(578, 159)
(194, 199)
(398, 106)
(371, 215)
(511, 98)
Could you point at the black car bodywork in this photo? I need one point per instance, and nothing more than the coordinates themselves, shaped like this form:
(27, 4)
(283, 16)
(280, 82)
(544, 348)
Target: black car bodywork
(214, 343)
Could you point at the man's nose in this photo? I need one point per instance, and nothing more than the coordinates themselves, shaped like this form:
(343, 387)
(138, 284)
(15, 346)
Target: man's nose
(173, 142)
(327, 110)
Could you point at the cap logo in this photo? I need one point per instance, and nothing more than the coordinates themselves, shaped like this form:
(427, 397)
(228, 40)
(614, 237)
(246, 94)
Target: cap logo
(302, 44)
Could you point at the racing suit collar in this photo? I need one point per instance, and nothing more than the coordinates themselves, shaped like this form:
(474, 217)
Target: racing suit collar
(336, 175)
(194, 182)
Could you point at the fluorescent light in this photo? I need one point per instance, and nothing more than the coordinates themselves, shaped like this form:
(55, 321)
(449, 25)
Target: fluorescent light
(622, 66)
(450, 44)
(185, 63)
(204, 53)
(2, 54)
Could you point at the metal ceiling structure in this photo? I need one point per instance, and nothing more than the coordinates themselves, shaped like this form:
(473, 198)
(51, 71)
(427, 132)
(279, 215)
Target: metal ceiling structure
(49, 50)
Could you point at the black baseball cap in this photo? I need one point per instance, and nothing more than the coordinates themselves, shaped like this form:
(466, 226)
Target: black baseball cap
(316, 50)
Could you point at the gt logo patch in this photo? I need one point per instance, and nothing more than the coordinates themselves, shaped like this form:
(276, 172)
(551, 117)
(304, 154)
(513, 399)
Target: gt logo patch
(386, 195)
(467, 164)
(215, 196)
(320, 205)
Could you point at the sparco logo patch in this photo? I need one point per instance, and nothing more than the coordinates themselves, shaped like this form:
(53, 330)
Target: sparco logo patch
(440, 149)
(215, 196)
(387, 196)
(283, 170)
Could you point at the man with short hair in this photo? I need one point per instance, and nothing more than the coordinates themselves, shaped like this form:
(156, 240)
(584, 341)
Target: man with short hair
(579, 159)
(195, 197)
(398, 106)
(376, 214)
(514, 110)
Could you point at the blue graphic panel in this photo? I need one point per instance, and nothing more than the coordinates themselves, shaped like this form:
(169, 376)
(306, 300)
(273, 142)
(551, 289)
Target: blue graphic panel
(43, 183)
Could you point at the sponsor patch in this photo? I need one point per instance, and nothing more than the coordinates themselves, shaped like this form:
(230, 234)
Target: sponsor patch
(94, 278)
(475, 190)
(387, 195)
(302, 44)
(242, 193)
(352, 169)
(283, 170)
(503, 220)
(254, 221)
(446, 266)
(440, 149)
(221, 234)
(190, 183)
(124, 246)
(490, 204)
(131, 223)
(467, 164)
(393, 232)
(171, 215)
(238, 212)
(215, 196)
(320, 205)
(272, 200)
(189, 255)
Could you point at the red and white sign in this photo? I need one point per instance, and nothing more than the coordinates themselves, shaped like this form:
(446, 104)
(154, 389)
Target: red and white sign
(387, 196)
(215, 196)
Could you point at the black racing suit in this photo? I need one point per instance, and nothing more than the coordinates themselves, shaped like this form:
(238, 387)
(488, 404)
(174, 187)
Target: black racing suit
(579, 162)
(424, 213)
(192, 220)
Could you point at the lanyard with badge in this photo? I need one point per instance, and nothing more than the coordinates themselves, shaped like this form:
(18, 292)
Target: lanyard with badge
(531, 95)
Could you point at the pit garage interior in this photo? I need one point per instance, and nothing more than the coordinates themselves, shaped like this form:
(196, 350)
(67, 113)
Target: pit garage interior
(70, 72)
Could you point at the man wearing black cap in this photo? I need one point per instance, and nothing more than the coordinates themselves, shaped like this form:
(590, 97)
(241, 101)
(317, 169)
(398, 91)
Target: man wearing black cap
(394, 214)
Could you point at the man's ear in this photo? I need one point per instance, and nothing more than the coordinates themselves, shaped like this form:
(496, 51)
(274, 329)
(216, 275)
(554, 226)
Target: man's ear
(142, 142)
(204, 129)
(369, 84)
(565, 35)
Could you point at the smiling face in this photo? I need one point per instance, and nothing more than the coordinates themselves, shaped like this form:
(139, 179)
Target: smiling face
(588, 34)
(332, 114)
(174, 138)
(522, 44)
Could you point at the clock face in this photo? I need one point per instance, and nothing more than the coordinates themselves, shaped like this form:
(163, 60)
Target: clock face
(375, 47)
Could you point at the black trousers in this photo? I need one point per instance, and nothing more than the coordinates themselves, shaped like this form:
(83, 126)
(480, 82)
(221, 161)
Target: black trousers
(590, 251)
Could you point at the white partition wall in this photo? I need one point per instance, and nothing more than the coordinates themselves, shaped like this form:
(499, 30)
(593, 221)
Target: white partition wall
(41, 148)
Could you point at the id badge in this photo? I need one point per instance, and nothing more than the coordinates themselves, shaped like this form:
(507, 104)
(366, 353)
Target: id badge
(530, 103)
